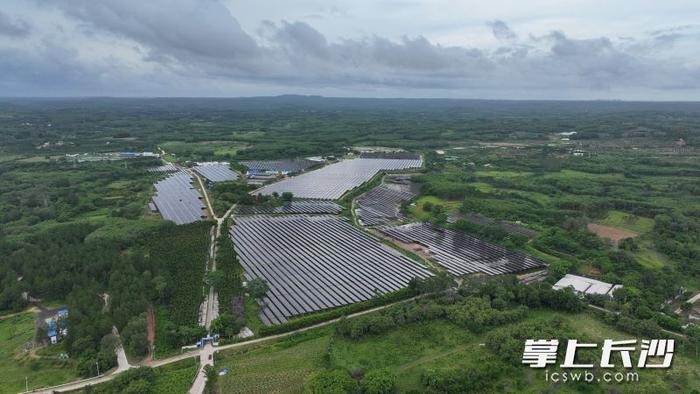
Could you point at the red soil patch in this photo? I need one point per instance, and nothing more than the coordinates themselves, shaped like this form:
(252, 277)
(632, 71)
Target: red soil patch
(612, 233)
(150, 328)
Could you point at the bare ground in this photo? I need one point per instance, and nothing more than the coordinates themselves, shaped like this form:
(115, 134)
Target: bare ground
(150, 328)
(614, 234)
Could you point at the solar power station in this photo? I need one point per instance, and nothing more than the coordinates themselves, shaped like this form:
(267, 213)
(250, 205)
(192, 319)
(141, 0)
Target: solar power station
(312, 263)
(383, 203)
(278, 166)
(333, 181)
(294, 207)
(216, 171)
(462, 254)
(177, 200)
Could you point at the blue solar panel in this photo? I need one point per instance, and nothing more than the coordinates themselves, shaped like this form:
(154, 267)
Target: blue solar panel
(177, 200)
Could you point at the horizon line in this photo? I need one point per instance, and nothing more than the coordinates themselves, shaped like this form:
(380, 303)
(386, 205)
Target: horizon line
(611, 100)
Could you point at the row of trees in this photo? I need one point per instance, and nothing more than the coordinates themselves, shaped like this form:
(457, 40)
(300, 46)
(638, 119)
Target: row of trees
(477, 306)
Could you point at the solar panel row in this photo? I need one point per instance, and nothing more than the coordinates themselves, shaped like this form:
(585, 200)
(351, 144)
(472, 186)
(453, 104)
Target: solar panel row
(164, 168)
(390, 155)
(178, 200)
(382, 204)
(216, 172)
(294, 207)
(282, 166)
(462, 254)
(313, 263)
(332, 181)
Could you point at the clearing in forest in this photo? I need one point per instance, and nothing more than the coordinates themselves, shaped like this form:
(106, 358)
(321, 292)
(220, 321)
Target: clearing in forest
(612, 233)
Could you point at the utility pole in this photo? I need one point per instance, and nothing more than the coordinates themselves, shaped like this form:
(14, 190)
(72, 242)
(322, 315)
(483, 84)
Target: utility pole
(97, 362)
(26, 383)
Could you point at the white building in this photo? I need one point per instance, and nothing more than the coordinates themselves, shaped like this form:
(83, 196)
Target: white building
(583, 285)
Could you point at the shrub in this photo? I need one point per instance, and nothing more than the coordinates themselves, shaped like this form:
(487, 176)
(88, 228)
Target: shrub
(330, 382)
(379, 381)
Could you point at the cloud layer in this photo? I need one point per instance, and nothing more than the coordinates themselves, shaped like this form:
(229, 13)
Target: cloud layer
(198, 47)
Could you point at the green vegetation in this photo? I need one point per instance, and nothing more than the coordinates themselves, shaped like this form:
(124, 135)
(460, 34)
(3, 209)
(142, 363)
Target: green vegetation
(203, 150)
(279, 367)
(224, 194)
(180, 251)
(168, 379)
(424, 355)
(630, 222)
(16, 331)
(424, 207)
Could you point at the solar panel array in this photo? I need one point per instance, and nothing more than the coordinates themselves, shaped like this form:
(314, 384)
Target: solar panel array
(313, 263)
(462, 254)
(164, 168)
(216, 172)
(178, 200)
(294, 207)
(383, 203)
(332, 181)
(390, 155)
(279, 165)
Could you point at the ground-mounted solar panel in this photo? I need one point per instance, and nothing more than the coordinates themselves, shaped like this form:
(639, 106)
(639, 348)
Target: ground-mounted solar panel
(390, 155)
(280, 166)
(382, 204)
(333, 181)
(164, 168)
(216, 171)
(294, 207)
(460, 253)
(316, 262)
(177, 199)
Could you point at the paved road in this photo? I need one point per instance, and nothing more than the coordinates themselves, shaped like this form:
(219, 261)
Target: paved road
(122, 361)
(206, 357)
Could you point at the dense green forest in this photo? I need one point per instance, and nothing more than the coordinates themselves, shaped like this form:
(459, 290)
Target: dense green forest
(80, 234)
(292, 126)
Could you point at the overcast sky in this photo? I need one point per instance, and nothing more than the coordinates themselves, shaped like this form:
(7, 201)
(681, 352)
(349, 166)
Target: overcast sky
(520, 49)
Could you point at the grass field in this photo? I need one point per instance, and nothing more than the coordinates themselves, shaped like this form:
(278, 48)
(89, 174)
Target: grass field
(175, 378)
(501, 174)
(419, 213)
(628, 221)
(647, 256)
(279, 367)
(408, 350)
(573, 174)
(218, 148)
(16, 364)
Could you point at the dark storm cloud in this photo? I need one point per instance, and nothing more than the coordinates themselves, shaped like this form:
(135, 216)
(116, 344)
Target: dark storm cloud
(501, 31)
(180, 28)
(188, 40)
(13, 27)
